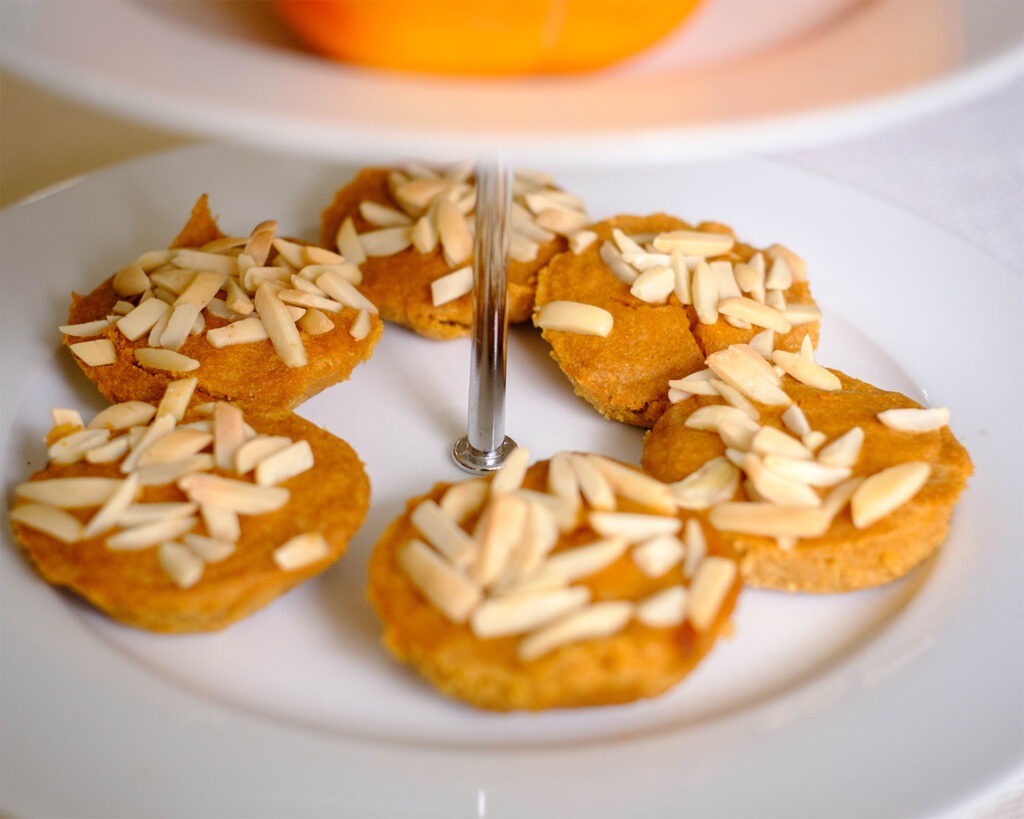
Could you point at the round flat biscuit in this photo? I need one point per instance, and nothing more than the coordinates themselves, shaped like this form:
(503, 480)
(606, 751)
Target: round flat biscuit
(625, 374)
(635, 662)
(845, 557)
(131, 587)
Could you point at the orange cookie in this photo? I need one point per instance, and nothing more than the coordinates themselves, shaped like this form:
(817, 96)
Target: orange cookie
(820, 482)
(571, 584)
(651, 297)
(410, 229)
(188, 525)
(256, 319)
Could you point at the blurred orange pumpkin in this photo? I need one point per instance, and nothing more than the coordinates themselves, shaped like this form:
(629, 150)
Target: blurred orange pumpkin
(483, 37)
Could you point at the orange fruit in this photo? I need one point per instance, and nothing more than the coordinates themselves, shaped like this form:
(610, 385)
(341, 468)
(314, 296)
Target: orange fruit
(483, 37)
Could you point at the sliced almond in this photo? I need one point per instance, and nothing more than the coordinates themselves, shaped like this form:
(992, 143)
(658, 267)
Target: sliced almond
(445, 586)
(444, 533)
(797, 266)
(510, 477)
(110, 514)
(655, 285)
(779, 276)
(594, 621)
(381, 215)
(168, 360)
(169, 282)
(208, 262)
(161, 426)
(165, 473)
(711, 417)
(303, 298)
(751, 280)
(284, 464)
(580, 240)
(887, 490)
(612, 257)
(349, 244)
(68, 493)
(240, 496)
(681, 272)
(769, 519)
(525, 611)
(148, 535)
(763, 343)
(463, 499)
(138, 513)
(452, 286)
(715, 481)
(244, 331)
(911, 419)
(561, 220)
(806, 471)
(344, 291)
(742, 367)
(754, 312)
(698, 383)
(633, 526)
(704, 292)
(250, 452)
(414, 196)
(795, 420)
(112, 451)
(389, 241)
(773, 441)
(50, 520)
(361, 325)
(844, 450)
(574, 317)
(696, 546)
(98, 352)
(778, 488)
(658, 554)
(635, 485)
(177, 397)
(593, 485)
(301, 550)
(315, 323)
(663, 609)
(564, 484)
(498, 532)
(181, 564)
(221, 524)
(583, 561)
(280, 327)
(736, 399)
(798, 314)
(839, 495)
(174, 446)
(72, 448)
(711, 584)
(130, 280)
(85, 329)
(805, 371)
(694, 242)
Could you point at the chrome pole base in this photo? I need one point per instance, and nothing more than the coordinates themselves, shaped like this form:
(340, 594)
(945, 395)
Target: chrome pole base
(471, 459)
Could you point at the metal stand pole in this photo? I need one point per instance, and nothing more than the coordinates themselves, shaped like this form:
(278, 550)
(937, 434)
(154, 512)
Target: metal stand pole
(485, 446)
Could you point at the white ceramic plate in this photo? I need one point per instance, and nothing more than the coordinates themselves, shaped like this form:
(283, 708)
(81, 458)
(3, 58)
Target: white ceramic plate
(896, 701)
(742, 74)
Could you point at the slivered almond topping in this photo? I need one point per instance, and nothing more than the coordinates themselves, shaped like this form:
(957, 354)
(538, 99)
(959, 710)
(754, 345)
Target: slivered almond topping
(280, 327)
(626, 243)
(86, 328)
(635, 485)
(284, 464)
(315, 323)
(742, 367)
(176, 398)
(301, 551)
(170, 282)
(735, 399)
(388, 241)
(574, 317)
(805, 371)
(886, 491)
(807, 347)
(510, 477)
(463, 499)
(663, 609)
(446, 587)
(202, 260)
(844, 450)
(580, 240)
(698, 383)
(113, 450)
(795, 263)
(612, 257)
(561, 220)
(795, 420)
(763, 343)
(311, 272)
(694, 242)
(658, 554)
(769, 440)
(704, 292)
(229, 433)
(583, 561)
(498, 532)
(179, 325)
(913, 419)
(632, 525)
(160, 474)
(209, 549)
(443, 533)
(303, 298)
(696, 546)
(73, 447)
(779, 276)
(770, 519)
(712, 416)
(160, 427)
(130, 280)
(382, 216)
(751, 280)
(452, 286)
(222, 524)
(240, 496)
(48, 519)
(725, 280)
(68, 493)
(717, 480)
(349, 244)
(655, 285)
(150, 534)
(758, 314)
(714, 578)
(540, 535)
(138, 513)
(839, 495)
(361, 325)
(260, 241)
(174, 446)
(165, 360)
(96, 353)
(797, 314)
(251, 452)
(244, 331)
(778, 488)
(111, 513)
(524, 611)
(681, 271)
(593, 485)
(181, 564)
(344, 291)
(596, 620)
(812, 473)
(424, 235)
(564, 484)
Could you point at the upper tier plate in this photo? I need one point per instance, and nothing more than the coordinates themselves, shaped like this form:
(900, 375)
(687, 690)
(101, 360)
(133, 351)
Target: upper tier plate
(742, 75)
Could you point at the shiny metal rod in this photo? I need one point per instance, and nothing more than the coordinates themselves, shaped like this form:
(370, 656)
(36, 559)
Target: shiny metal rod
(485, 446)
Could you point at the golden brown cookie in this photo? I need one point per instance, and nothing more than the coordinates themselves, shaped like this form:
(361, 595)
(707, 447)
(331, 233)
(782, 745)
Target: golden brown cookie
(576, 585)
(639, 330)
(414, 226)
(820, 482)
(257, 319)
(134, 514)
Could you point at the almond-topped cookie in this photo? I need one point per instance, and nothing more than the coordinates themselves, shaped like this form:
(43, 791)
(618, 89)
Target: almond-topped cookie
(820, 482)
(257, 319)
(572, 582)
(651, 297)
(410, 229)
(184, 520)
